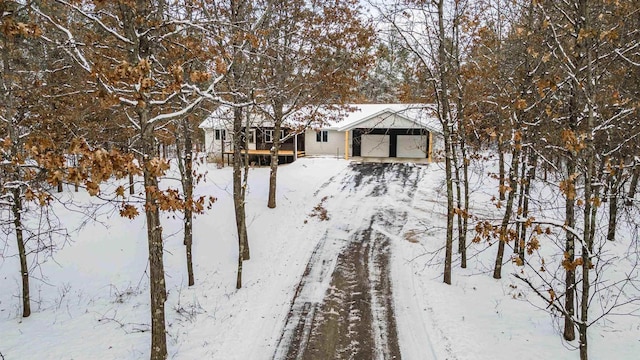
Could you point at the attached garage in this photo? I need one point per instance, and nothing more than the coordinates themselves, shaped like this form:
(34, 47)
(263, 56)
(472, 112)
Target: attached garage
(375, 145)
(401, 143)
(392, 130)
(412, 146)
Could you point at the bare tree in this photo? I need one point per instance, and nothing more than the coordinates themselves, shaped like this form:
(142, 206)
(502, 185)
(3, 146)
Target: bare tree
(428, 30)
(312, 57)
(133, 58)
(575, 33)
(30, 158)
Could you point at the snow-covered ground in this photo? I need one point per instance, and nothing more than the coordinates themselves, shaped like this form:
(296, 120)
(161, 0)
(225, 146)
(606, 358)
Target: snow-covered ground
(91, 300)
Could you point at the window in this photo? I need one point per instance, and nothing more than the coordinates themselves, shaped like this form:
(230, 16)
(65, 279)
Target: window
(268, 136)
(322, 136)
(252, 136)
(219, 132)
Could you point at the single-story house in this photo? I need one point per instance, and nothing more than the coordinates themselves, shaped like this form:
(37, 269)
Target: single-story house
(364, 130)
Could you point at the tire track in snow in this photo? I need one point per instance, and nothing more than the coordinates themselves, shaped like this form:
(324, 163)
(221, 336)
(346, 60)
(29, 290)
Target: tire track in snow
(345, 309)
(316, 277)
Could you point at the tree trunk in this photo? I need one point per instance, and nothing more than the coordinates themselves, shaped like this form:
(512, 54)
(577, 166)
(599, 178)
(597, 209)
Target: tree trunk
(531, 174)
(570, 277)
(156, 272)
(271, 203)
(239, 83)
(450, 213)
(188, 238)
(16, 205)
(239, 272)
(504, 236)
(458, 194)
(275, 149)
(587, 248)
(131, 186)
(582, 327)
(185, 165)
(154, 237)
(520, 228)
(576, 106)
(465, 218)
(76, 184)
(442, 93)
(188, 212)
(633, 186)
(24, 267)
(239, 188)
(614, 187)
(590, 212)
(245, 184)
(238, 193)
(501, 169)
(590, 176)
(463, 203)
(238, 202)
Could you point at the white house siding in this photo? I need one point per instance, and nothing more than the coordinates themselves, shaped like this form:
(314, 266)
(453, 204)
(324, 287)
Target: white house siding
(334, 145)
(213, 147)
(375, 145)
(387, 120)
(209, 143)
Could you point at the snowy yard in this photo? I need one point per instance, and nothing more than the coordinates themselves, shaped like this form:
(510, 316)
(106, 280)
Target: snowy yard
(91, 299)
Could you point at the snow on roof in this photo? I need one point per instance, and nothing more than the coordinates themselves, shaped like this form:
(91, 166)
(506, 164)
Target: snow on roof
(220, 118)
(422, 115)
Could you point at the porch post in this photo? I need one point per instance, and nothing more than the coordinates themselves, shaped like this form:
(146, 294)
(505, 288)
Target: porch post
(295, 147)
(222, 136)
(346, 145)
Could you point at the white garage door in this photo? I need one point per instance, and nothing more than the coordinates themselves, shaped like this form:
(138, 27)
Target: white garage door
(412, 146)
(375, 145)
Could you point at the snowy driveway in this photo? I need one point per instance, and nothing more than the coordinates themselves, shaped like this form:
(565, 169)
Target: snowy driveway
(343, 307)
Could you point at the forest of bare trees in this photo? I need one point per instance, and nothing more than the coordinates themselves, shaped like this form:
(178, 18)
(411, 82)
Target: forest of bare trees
(111, 83)
(92, 91)
(552, 86)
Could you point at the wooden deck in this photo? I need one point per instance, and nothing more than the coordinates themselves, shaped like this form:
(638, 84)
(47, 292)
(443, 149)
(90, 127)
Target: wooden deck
(262, 156)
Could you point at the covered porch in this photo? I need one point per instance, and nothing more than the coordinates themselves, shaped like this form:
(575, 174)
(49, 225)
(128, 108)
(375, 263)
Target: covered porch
(262, 157)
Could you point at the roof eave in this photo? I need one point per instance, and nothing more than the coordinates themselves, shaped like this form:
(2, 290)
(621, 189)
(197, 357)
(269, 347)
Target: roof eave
(355, 124)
